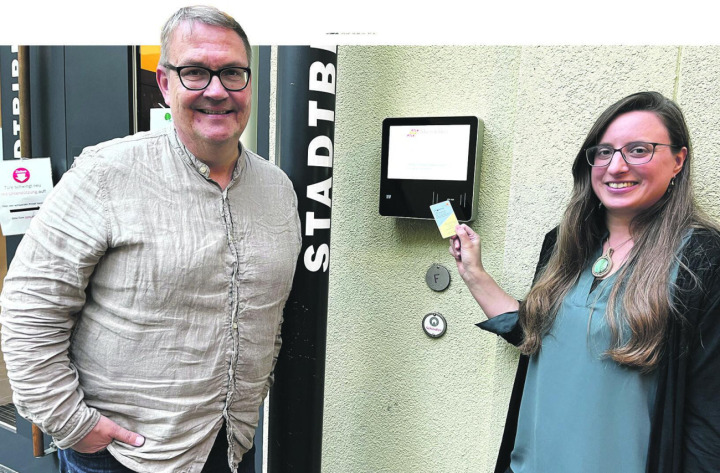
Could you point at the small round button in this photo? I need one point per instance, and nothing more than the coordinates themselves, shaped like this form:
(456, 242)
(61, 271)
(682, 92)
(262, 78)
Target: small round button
(203, 169)
(434, 325)
(437, 277)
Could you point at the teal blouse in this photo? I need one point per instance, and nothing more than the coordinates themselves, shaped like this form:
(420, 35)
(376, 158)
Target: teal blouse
(581, 411)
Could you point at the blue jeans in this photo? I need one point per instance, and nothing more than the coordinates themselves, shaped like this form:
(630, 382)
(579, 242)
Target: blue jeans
(99, 462)
(102, 462)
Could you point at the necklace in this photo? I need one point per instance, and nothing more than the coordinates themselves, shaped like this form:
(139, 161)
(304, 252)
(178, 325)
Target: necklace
(603, 264)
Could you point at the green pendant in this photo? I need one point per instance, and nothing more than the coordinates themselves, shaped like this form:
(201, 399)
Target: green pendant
(600, 267)
(603, 264)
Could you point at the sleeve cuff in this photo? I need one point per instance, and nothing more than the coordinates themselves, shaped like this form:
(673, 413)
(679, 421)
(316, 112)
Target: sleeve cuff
(506, 325)
(501, 324)
(79, 425)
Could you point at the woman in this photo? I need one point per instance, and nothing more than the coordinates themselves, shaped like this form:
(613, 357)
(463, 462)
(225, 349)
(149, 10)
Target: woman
(620, 333)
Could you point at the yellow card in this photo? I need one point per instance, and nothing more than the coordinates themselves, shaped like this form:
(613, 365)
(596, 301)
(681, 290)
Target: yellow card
(445, 218)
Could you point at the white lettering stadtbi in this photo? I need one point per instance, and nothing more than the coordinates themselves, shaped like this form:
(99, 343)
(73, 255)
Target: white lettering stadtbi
(320, 153)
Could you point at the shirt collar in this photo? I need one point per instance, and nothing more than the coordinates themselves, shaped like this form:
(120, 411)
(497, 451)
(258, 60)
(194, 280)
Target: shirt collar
(199, 166)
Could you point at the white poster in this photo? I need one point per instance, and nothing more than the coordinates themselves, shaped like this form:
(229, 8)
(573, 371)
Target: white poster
(24, 184)
(160, 118)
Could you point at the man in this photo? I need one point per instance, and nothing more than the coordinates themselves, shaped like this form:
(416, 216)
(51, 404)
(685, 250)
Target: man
(141, 313)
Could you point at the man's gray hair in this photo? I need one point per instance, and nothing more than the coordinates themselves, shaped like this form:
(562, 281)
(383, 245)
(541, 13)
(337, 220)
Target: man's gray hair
(200, 14)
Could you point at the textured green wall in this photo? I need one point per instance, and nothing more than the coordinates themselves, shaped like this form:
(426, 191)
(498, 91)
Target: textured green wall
(395, 400)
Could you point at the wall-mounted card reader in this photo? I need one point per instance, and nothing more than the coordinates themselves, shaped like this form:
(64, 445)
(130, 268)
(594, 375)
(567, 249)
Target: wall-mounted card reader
(428, 160)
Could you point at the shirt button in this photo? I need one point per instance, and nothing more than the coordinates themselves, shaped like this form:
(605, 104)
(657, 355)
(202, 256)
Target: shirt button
(203, 169)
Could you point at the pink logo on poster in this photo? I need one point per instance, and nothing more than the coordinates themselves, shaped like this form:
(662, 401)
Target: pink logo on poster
(21, 175)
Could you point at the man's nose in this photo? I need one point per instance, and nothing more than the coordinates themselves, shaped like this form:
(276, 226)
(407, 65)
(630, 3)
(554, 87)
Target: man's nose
(215, 89)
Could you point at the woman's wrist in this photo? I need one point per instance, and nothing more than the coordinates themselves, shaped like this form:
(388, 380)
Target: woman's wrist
(475, 277)
(492, 298)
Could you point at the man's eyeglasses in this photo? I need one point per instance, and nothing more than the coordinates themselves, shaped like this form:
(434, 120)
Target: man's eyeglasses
(233, 79)
(638, 152)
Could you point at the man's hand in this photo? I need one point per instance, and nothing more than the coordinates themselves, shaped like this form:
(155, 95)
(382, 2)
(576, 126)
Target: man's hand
(103, 434)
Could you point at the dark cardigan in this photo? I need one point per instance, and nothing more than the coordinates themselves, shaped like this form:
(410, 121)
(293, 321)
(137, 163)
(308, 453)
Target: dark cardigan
(685, 435)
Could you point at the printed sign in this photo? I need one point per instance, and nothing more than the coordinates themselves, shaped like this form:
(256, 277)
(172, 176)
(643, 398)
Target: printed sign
(24, 184)
(160, 118)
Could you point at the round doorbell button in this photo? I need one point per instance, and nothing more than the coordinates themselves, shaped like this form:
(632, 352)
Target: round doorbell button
(434, 325)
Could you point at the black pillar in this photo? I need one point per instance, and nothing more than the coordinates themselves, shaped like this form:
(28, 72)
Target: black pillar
(304, 150)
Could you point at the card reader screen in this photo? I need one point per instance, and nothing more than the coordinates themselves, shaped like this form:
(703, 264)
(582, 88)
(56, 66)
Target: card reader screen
(429, 152)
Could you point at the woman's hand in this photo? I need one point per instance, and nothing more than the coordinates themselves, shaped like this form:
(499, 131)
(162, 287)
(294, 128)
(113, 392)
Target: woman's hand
(466, 249)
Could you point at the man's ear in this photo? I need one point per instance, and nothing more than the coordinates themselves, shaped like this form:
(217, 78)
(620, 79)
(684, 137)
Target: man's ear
(163, 83)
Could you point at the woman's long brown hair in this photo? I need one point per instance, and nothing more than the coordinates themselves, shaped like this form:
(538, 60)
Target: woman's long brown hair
(640, 303)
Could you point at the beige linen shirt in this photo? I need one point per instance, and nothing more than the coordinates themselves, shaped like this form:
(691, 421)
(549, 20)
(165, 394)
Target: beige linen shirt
(144, 292)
